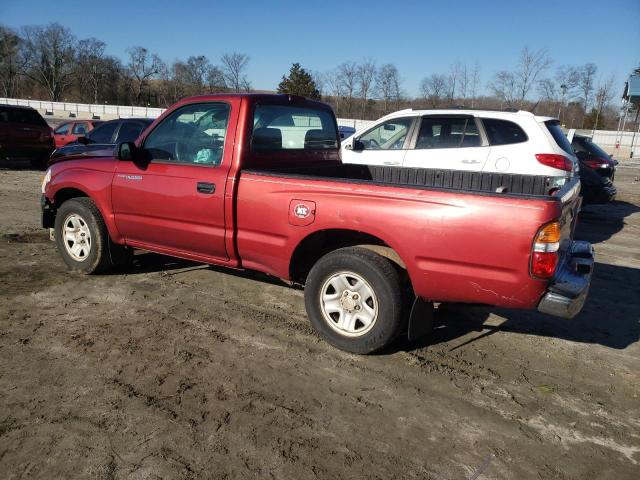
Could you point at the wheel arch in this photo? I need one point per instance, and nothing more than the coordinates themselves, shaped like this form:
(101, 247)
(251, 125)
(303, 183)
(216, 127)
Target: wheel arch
(317, 244)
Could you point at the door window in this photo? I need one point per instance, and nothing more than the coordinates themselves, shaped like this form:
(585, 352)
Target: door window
(448, 132)
(103, 134)
(193, 134)
(62, 129)
(129, 132)
(80, 129)
(390, 135)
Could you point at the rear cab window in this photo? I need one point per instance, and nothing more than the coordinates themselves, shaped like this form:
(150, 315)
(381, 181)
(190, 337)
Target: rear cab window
(103, 134)
(558, 135)
(288, 127)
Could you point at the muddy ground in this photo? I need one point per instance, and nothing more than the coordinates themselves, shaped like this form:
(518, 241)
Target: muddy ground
(176, 370)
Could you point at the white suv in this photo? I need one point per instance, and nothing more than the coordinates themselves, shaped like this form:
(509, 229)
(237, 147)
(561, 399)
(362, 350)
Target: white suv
(516, 142)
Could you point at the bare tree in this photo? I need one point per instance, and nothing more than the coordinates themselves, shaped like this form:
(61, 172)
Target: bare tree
(604, 94)
(347, 75)
(585, 83)
(452, 80)
(365, 76)
(504, 86)
(215, 79)
(11, 61)
(142, 67)
(463, 83)
(49, 53)
(530, 66)
(334, 87)
(234, 66)
(475, 83)
(387, 85)
(434, 89)
(91, 67)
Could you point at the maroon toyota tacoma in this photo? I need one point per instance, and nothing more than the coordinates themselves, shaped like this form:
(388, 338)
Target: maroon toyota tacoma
(255, 182)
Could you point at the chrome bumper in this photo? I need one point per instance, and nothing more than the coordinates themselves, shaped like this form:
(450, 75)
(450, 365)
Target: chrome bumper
(568, 290)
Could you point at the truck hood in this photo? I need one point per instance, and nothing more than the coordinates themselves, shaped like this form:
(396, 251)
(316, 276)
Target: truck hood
(78, 151)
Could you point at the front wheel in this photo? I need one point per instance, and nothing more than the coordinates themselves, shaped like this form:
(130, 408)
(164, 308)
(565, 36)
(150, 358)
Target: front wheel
(83, 240)
(353, 299)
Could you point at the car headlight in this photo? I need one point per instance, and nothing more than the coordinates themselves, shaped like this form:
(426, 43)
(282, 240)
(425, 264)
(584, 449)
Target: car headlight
(46, 180)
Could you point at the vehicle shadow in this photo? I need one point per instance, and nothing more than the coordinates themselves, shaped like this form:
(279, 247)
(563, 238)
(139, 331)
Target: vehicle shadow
(611, 318)
(598, 223)
(149, 262)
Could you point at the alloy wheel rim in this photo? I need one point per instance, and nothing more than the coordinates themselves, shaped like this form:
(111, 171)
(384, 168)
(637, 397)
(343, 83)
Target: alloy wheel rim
(349, 305)
(76, 237)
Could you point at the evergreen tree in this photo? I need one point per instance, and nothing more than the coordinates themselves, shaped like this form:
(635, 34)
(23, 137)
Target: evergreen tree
(299, 82)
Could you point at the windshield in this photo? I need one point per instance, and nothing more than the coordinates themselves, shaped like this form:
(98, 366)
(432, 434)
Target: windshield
(284, 127)
(558, 135)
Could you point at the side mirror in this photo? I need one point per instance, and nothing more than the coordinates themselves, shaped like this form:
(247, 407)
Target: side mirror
(357, 145)
(127, 151)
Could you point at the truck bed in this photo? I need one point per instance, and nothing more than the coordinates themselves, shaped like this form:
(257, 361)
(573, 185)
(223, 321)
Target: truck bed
(457, 180)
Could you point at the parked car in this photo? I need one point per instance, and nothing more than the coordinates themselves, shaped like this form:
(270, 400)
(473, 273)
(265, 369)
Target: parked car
(345, 132)
(70, 131)
(100, 141)
(260, 186)
(515, 142)
(24, 134)
(594, 157)
(595, 188)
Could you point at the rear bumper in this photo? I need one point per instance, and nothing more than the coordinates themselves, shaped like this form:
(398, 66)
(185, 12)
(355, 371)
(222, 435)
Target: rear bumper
(569, 288)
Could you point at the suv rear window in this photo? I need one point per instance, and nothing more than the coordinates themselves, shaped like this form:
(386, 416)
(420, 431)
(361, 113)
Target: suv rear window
(503, 132)
(558, 135)
(284, 127)
(21, 115)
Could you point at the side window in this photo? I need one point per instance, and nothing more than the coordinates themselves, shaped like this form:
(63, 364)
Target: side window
(129, 132)
(389, 135)
(80, 129)
(503, 132)
(448, 132)
(62, 129)
(193, 134)
(103, 133)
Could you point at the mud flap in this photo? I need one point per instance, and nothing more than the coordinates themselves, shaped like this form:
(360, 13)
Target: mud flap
(420, 319)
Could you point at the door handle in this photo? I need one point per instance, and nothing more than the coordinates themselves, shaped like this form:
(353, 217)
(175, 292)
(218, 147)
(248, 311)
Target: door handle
(391, 163)
(471, 161)
(204, 187)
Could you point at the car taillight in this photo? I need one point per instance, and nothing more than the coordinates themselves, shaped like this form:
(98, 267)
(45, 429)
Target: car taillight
(556, 161)
(544, 257)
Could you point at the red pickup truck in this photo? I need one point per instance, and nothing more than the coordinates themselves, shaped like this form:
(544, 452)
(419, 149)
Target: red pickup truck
(255, 182)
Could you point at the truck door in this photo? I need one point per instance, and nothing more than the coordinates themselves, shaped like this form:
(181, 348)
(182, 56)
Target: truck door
(174, 200)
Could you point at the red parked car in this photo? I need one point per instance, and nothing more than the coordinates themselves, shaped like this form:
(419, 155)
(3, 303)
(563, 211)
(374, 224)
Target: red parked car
(70, 131)
(24, 134)
(256, 182)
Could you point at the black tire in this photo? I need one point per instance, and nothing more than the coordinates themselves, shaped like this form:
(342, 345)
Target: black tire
(103, 253)
(382, 278)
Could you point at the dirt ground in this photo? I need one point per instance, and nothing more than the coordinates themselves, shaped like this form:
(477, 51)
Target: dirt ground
(177, 370)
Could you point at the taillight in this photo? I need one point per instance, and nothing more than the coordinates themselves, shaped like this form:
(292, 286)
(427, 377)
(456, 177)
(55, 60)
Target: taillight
(544, 257)
(556, 161)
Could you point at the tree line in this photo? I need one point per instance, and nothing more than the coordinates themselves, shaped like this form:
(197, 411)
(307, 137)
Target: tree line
(48, 61)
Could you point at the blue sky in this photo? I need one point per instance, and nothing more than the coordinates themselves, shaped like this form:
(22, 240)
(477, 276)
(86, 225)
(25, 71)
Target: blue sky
(419, 37)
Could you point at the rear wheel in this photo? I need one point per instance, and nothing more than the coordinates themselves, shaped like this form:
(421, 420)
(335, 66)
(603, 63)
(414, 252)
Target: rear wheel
(353, 299)
(83, 240)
